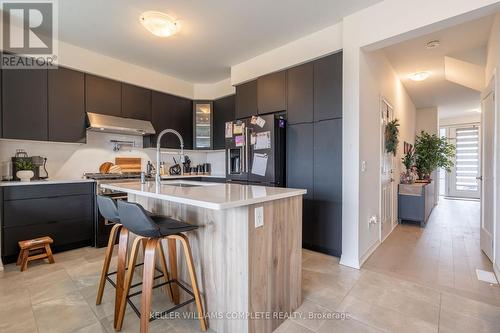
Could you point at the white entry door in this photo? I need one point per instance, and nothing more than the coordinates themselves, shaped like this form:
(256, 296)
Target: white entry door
(463, 180)
(387, 204)
(488, 168)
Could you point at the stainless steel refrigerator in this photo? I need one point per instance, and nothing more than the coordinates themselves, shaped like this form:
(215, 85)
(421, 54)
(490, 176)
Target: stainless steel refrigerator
(255, 151)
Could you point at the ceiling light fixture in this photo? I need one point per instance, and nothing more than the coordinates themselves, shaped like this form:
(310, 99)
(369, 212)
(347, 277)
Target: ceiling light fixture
(419, 76)
(160, 24)
(433, 44)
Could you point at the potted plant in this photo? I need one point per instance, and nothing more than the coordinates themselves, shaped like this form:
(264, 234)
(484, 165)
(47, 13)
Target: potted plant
(392, 136)
(408, 160)
(25, 170)
(432, 152)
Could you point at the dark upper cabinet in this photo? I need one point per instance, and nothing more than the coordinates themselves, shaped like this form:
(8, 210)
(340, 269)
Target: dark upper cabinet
(66, 100)
(136, 102)
(24, 104)
(299, 172)
(327, 163)
(174, 112)
(328, 87)
(246, 100)
(103, 95)
(271, 93)
(223, 112)
(300, 92)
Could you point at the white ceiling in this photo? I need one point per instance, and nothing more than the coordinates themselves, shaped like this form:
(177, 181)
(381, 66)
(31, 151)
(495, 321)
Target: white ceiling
(215, 33)
(465, 42)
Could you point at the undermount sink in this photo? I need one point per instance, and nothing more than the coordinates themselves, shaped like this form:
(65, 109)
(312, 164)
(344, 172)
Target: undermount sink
(186, 183)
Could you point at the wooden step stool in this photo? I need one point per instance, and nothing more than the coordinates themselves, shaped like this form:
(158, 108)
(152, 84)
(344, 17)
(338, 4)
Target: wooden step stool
(34, 249)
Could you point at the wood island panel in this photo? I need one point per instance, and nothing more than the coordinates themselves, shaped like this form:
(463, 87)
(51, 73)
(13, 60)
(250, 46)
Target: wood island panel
(241, 269)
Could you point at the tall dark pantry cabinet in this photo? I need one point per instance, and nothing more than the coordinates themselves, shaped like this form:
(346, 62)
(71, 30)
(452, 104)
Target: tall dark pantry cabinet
(314, 149)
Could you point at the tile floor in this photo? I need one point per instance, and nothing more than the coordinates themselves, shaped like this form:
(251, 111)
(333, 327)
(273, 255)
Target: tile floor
(378, 298)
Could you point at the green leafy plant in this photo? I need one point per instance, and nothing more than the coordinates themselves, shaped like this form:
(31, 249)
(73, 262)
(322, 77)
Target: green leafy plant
(408, 159)
(432, 152)
(392, 136)
(24, 165)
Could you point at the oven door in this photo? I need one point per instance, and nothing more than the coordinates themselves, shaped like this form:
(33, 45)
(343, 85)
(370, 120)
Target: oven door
(103, 227)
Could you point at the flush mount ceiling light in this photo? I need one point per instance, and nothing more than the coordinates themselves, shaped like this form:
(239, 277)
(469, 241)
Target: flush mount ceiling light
(433, 44)
(419, 76)
(160, 24)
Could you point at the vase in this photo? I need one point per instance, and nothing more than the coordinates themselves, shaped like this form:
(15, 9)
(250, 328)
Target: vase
(25, 175)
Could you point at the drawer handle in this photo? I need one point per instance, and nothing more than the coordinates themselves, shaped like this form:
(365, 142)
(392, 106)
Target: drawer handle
(51, 222)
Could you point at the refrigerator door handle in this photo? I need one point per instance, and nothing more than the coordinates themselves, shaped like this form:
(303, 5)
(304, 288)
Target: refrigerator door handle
(246, 149)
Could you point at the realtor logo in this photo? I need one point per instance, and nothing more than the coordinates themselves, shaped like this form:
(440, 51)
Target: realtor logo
(30, 31)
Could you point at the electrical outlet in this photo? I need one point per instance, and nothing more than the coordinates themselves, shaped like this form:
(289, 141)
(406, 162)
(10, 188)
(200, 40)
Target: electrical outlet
(259, 217)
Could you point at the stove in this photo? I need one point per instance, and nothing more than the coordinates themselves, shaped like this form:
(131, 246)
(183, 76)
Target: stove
(103, 227)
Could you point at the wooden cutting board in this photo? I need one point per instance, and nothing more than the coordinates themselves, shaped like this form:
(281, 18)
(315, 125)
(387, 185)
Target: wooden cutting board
(129, 164)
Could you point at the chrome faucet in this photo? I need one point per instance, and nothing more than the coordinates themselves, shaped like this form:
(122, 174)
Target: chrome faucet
(158, 148)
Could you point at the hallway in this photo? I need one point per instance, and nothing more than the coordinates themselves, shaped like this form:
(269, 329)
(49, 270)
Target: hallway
(444, 255)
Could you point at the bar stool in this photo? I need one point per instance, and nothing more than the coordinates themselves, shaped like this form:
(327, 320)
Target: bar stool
(109, 210)
(152, 230)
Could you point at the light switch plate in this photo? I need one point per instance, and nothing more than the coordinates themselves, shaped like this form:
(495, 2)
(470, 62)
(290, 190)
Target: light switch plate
(259, 217)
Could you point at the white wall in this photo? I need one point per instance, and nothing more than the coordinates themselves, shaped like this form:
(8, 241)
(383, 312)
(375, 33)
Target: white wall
(214, 90)
(316, 45)
(380, 81)
(427, 121)
(377, 26)
(476, 118)
(492, 66)
(70, 161)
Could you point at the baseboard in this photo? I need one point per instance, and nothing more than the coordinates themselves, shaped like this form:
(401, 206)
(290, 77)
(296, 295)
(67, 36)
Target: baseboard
(496, 270)
(390, 232)
(368, 253)
(349, 262)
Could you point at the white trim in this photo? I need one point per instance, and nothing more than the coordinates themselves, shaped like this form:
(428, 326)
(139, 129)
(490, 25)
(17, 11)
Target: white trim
(496, 270)
(349, 263)
(369, 252)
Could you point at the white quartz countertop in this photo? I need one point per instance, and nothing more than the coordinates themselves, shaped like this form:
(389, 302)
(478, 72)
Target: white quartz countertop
(205, 194)
(45, 182)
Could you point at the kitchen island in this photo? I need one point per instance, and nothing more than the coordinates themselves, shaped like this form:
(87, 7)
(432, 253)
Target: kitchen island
(247, 249)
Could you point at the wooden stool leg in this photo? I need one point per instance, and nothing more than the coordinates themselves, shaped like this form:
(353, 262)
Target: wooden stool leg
(147, 283)
(24, 260)
(128, 280)
(172, 258)
(194, 284)
(19, 258)
(120, 271)
(48, 251)
(107, 261)
(168, 287)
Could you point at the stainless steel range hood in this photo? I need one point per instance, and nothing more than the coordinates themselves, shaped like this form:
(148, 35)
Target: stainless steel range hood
(111, 124)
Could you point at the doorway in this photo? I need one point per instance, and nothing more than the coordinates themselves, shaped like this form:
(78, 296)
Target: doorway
(463, 182)
(387, 205)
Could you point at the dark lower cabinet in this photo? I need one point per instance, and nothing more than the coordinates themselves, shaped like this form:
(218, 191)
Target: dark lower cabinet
(24, 104)
(299, 173)
(136, 102)
(246, 100)
(327, 231)
(223, 112)
(328, 87)
(66, 105)
(174, 112)
(103, 95)
(65, 212)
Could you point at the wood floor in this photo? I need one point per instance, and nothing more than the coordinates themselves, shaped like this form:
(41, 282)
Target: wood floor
(417, 281)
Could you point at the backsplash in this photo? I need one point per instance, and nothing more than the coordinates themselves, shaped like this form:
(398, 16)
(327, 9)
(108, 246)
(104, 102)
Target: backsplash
(70, 161)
